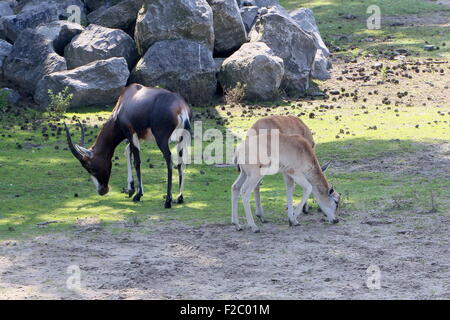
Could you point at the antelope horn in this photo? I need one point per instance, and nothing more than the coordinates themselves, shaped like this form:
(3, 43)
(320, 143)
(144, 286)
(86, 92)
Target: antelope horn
(72, 147)
(325, 166)
(82, 133)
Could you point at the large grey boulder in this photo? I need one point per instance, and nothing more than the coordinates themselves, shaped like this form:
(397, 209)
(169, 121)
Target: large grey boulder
(60, 33)
(96, 84)
(27, 65)
(174, 19)
(35, 55)
(97, 4)
(255, 67)
(36, 12)
(289, 42)
(12, 26)
(100, 43)
(218, 63)
(321, 67)
(229, 30)
(305, 19)
(5, 50)
(60, 5)
(249, 15)
(183, 66)
(120, 16)
(6, 8)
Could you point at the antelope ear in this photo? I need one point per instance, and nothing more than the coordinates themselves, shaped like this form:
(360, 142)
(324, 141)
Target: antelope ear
(325, 166)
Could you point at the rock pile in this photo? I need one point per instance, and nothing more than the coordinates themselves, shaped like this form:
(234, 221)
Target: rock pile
(193, 47)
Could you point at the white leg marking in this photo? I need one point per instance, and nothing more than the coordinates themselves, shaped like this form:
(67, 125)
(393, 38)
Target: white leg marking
(180, 161)
(129, 166)
(138, 146)
(181, 186)
(136, 141)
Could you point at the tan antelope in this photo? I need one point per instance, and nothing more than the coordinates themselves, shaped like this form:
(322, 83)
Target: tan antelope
(289, 125)
(296, 160)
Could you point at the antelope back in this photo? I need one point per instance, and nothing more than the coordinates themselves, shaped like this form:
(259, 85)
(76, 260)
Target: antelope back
(289, 125)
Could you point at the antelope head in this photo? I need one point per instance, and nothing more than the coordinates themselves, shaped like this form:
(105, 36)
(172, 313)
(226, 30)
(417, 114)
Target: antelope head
(95, 164)
(329, 203)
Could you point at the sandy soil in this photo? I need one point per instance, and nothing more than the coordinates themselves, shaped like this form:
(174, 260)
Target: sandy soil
(312, 261)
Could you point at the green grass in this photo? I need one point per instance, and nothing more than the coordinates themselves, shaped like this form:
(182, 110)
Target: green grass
(329, 16)
(39, 184)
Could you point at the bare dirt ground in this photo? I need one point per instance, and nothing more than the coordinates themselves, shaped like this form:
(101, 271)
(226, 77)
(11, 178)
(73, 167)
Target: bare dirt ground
(433, 19)
(313, 261)
(176, 261)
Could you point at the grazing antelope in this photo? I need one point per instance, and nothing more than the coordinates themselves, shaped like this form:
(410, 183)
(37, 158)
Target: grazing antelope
(290, 125)
(141, 113)
(297, 162)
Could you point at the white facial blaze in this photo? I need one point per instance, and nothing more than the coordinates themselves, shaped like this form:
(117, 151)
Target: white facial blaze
(95, 181)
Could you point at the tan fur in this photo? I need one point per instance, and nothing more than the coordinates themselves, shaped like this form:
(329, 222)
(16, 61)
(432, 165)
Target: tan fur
(289, 125)
(286, 125)
(298, 164)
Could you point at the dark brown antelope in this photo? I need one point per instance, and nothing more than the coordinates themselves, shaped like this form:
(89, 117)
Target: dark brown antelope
(141, 113)
(289, 125)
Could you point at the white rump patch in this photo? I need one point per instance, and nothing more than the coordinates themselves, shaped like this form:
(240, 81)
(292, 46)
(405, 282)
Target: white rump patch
(182, 117)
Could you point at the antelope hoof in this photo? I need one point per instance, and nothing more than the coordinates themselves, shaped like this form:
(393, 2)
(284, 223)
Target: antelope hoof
(256, 230)
(180, 200)
(237, 226)
(305, 209)
(168, 204)
(293, 224)
(137, 198)
(131, 190)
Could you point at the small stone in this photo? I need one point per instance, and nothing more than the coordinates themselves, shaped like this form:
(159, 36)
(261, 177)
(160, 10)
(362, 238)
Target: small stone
(429, 47)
